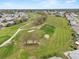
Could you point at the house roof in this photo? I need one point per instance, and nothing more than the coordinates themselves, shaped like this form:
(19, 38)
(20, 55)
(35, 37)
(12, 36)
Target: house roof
(76, 29)
(74, 54)
(77, 42)
(73, 22)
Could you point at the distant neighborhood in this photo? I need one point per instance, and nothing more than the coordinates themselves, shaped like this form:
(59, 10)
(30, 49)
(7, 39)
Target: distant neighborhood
(7, 20)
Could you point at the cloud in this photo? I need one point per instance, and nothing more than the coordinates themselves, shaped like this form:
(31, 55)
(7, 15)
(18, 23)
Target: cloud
(70, 1)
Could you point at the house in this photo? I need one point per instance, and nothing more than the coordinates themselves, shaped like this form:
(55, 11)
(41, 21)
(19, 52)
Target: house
(74, 54)
(77, 45)
(9, 18)
(2, 19)
(59, 14)
(73, 23)
(0, 16)
(1, 26)
(10, 22)
(76, 29)
(69, 18)
(4, 24)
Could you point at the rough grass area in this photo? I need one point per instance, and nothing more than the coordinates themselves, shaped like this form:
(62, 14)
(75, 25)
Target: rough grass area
(59, 42)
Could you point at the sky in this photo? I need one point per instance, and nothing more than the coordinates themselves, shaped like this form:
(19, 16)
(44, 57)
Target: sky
(39, 4)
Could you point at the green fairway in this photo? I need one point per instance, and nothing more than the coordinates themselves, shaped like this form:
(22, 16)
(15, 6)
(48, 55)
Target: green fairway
(58, 43)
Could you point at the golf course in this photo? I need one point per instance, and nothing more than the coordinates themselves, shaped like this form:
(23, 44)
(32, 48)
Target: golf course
(52, 38)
